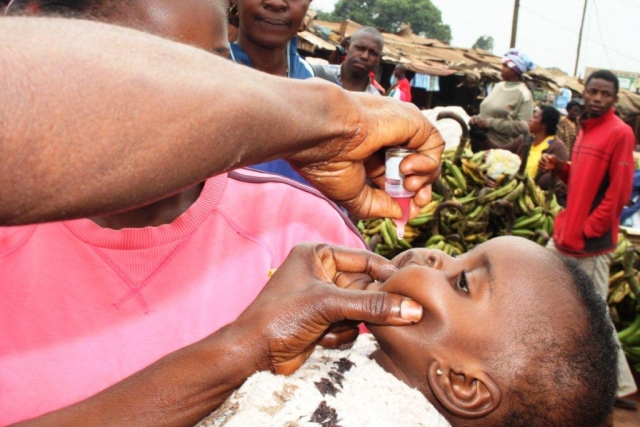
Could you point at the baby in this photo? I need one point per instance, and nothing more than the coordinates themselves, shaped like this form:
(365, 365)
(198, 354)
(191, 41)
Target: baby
(511, 336)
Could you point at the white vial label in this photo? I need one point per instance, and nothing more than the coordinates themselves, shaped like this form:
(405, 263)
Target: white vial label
(392, 168)
(394, 179)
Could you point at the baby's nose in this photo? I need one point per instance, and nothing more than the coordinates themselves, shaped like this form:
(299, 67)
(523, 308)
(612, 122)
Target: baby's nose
(434, 259)
(424, 257)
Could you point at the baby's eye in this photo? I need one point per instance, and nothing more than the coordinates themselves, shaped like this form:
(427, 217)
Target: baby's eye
(462, 282)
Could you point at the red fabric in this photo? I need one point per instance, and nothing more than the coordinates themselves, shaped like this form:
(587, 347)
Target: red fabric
(405, 90)
(603, 150)
(374, 83)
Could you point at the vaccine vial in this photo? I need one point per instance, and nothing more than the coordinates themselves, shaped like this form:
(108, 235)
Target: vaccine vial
(394, 185)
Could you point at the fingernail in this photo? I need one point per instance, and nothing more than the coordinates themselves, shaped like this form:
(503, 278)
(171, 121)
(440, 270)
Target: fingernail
(410, 311)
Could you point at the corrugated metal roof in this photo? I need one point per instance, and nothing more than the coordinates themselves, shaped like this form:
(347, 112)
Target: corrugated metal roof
(315, 41)
(420, 54)
(430, 56)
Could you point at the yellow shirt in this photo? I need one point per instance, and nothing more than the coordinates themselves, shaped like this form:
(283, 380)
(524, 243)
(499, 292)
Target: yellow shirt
(535, 154)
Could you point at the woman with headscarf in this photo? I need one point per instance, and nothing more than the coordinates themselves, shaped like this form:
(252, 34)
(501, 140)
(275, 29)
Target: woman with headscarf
(505, 112)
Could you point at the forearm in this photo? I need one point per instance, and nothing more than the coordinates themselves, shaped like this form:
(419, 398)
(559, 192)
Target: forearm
(517, 121)
(178, 390)
(563, 170)
(507, 126)
(98, 118)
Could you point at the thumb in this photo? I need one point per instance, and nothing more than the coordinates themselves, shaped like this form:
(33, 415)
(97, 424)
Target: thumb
(380, 308)
(373, 203)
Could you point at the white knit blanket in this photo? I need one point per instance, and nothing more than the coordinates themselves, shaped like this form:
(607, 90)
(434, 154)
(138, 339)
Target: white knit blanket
(334, 388)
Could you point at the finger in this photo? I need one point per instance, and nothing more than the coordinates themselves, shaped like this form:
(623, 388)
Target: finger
(342, 260)
(341, 336)
(427, 138)
(353, 280)
(291, 365)
(420, 172)
(415, 183)
(379, 181)
(423, 197)
(433, 147)
(341, 341)
(420, 164)
(373, 203)
(380, 308)
(374, 165)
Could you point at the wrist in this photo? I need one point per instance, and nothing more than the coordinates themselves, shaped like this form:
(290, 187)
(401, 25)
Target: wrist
(334, 120)
(230, 347)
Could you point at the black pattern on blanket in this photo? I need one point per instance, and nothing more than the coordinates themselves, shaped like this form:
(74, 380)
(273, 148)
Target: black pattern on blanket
(334, 388)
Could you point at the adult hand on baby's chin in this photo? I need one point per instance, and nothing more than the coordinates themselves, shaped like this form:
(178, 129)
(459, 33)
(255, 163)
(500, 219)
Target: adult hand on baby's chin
(317, 286)
(339, 168)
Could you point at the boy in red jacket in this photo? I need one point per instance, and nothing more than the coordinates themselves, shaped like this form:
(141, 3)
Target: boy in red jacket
(599, 180)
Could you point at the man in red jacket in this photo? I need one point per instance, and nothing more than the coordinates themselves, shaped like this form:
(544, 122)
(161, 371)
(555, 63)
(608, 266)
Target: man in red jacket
(599, 179)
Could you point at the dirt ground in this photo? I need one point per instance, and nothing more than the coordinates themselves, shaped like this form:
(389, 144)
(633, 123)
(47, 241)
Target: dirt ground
(626, 418)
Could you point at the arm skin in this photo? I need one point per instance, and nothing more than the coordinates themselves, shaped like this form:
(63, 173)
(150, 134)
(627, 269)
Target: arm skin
(317, 286)
(543, 178)
(549, 162)
(617, 195)
(98, 119)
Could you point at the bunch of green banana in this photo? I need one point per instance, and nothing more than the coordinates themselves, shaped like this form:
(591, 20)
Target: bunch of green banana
(452, 244)
(488, 208)
(624, 291)
(474, 171)
(425, 215)
(630, 340)
(382, 236)
(454, 177)
(506, 187)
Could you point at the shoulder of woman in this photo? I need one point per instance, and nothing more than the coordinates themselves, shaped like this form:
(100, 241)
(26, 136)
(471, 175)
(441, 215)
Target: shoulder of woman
(526, 93)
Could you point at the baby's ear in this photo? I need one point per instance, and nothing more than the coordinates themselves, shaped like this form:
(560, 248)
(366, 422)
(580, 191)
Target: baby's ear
(467, 393)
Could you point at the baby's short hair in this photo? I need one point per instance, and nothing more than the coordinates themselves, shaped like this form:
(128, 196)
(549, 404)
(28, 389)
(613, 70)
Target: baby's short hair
(571, 378)
(65, 8)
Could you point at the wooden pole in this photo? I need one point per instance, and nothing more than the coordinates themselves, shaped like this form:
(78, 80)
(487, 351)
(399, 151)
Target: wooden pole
(584, 13)
(514, 26)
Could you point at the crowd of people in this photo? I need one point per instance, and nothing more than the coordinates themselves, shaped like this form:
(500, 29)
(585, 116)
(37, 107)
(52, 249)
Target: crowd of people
(147, 273)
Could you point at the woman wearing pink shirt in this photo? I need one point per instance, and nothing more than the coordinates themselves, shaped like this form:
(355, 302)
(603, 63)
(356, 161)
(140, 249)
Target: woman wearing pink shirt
(91, 304)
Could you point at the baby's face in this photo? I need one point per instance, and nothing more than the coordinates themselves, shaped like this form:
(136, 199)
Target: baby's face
(474, 307)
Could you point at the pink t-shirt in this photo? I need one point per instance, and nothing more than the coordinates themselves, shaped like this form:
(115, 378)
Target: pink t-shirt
(83, 307)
